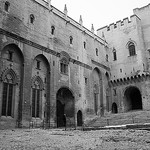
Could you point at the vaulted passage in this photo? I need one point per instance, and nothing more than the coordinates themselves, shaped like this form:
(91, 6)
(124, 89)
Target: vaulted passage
(133, 100)
(65, 107)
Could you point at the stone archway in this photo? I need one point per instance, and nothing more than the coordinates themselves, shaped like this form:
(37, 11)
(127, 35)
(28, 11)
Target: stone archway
(114, 108)
(40, 94)
(133, 99)
(79, 118)
(65, 105)
(11, 87)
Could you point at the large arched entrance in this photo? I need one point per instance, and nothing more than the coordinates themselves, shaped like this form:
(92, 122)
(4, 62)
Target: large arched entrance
(65, 105)
(79, 118)
(133, 99)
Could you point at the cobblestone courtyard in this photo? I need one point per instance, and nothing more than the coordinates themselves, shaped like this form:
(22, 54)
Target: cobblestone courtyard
(58, 139)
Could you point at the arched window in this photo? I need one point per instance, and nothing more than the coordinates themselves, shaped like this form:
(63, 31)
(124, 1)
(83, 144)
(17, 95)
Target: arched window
(84, 45)
(52, 30)
(37, 87)
(9, 81)
(96, 52)
(71, 40)
(107, 57)
(114, 55)
(32, 18)
(6, 6)
(131, 48)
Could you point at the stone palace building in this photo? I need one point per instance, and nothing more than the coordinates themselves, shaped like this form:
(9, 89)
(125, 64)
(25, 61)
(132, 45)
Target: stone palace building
(51, 65)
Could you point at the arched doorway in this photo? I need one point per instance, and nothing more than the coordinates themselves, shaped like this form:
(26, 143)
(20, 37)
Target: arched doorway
(114, 108)
(65, 105)
(79, 118)
(133, 99)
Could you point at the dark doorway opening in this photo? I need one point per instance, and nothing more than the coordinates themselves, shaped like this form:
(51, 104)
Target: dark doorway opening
(60, 114)
(79, 118)
(133, 99)
(114, 108)
(65, 107)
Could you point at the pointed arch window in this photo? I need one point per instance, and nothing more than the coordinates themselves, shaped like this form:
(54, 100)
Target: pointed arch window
(114, 55)
(107, 57)
(96, 51)
(9, 81)
(6, 6)
(32, 18)
(71, 40)
(131, 47)
(52, 30)
(84, 45)
(37, 87)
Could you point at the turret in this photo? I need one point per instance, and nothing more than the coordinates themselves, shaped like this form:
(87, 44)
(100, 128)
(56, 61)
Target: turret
(92, 28)
(65, 10)
(80, 20)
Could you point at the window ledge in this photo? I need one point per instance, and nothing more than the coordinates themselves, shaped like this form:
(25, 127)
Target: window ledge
(133, 55)
(64, 73)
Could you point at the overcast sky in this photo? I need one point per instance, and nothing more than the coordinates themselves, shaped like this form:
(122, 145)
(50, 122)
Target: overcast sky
(99, 12)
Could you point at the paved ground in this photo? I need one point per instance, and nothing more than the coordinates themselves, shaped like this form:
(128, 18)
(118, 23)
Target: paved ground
(58, 139)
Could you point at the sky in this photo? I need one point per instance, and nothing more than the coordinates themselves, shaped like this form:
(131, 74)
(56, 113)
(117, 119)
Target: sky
(97, 12)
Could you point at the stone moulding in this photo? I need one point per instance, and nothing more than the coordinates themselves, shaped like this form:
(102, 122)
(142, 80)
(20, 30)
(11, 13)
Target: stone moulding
(38, 46)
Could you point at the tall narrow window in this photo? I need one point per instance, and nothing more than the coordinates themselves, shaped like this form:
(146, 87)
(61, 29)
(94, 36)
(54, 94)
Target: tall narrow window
(32, 18)
(52, 30)
(86, 80)
(35, 102)
(84, 45)
(107, 57)
(131, 48)
(38, 64)
(114, 54)
(10, 55)
(115, 92)
(7, 96)
(71, 40)
(37, 87)
(96, 52)
(6, 6)
(63, 66)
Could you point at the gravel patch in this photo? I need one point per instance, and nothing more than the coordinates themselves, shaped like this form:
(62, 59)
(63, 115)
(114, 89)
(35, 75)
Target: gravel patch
(58, 139)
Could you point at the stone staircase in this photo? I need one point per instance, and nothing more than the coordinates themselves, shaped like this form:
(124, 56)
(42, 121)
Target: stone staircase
(131, 117)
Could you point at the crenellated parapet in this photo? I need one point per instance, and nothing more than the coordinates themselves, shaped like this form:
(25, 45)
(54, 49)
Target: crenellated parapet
(144, 8)
(132, 79)
(120, 24)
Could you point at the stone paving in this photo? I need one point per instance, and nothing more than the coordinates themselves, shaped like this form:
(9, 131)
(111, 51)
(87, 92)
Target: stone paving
(59, 139)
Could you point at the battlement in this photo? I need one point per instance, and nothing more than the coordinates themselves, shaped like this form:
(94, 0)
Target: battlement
(142, 8)
(120, 24)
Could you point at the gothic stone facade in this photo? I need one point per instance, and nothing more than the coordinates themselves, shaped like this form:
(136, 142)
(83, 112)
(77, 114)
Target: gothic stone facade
(129, 41)
(52, 67)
